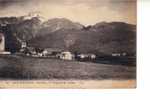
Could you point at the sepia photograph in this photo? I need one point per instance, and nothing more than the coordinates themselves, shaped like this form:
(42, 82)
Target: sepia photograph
(83, 44)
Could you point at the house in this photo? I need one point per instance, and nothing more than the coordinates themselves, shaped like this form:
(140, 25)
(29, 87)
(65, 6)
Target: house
(52, 50)
(119, 54)
(23, 45)
(116, 54)
(82, 56)
(66, 55)
(86, 56)
(124, 54)
(45, 52)
(92, 56)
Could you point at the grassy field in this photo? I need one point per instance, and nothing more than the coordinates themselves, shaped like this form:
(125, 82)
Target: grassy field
(17, 67)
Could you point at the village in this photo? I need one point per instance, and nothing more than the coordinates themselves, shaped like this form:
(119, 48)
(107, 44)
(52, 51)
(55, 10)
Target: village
(54, 53)
(45, 53)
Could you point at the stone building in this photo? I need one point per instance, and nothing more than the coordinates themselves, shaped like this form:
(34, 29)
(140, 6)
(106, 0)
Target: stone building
(2, 43)
(66, 55)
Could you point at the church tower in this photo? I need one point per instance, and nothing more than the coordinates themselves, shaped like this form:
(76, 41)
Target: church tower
(2, 42)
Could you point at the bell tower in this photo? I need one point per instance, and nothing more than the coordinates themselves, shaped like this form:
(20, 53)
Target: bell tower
(2, 42)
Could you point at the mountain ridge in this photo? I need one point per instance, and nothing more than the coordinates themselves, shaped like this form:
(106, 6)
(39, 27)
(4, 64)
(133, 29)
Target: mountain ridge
(103, 37)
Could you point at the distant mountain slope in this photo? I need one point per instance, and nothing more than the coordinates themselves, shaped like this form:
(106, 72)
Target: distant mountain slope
(105, 38)
(56, 24)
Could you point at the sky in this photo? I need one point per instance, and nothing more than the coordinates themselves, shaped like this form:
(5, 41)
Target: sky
(86, 12)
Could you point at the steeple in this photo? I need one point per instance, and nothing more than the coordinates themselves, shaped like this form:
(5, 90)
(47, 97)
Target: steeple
(2, 42)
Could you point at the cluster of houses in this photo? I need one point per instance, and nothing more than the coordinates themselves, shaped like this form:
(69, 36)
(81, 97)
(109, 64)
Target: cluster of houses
(53, 53)
(38, 52)
(118, 54)
(46, 52)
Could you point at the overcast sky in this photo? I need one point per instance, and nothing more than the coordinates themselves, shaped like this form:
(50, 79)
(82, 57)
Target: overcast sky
(84, 11)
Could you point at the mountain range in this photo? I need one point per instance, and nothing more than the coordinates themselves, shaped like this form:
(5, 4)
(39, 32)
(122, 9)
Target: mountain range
(101, 38)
